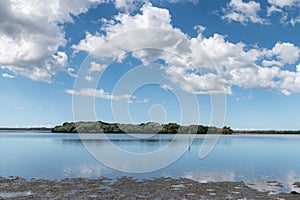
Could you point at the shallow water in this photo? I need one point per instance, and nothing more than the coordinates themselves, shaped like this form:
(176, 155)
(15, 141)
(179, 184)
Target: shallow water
(254, 159)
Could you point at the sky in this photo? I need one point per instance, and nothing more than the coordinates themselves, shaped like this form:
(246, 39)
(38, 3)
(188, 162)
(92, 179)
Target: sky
(232, 62)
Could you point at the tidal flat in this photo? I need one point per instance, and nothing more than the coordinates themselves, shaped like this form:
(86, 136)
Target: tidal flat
(130, 188)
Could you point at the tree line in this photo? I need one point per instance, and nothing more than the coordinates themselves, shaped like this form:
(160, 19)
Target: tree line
(150, 127)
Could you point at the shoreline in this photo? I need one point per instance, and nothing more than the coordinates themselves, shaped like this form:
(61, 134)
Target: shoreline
(129, 188)
(41, 130)
(7, 130)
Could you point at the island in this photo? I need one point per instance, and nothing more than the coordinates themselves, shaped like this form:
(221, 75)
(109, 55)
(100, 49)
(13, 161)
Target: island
(150, 127)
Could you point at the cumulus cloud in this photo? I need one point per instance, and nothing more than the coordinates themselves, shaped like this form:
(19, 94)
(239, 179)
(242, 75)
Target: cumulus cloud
(271, 63)
(288, 9)
(282, 3)
(198, 65)
(286, 52)
(243, 12)
(30, 35)
(281, 54)
(96, 67)
(128, 5)
(197, 84)
(131, 5)
(150, 17)
(250, 12)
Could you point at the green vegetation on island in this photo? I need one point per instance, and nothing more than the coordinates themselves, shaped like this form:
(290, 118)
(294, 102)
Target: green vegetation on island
(150, 127)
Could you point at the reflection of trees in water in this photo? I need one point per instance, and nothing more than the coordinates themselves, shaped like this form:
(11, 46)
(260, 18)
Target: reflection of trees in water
(120, 142)
(144, 144)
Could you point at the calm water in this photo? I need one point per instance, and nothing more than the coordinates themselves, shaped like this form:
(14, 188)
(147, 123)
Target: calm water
(251, 158)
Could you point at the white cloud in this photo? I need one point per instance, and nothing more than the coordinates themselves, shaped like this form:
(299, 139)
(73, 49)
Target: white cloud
(183, 1)
(245, 98)
(88, 78)
(234, 64)
(150, 17)
(166, 87)
(287, 82)
(295, 20)
(98, 94)
(273, 9)
(90, 92)
(288, 9)
(128, 5)
(142, 101)
(243, 12)
(131, 5)
(5, 75)
(282, 3)
(30, 35)
(286, 52)
(281, 54)
(254, 77)
(250, 11)
(199, 28)
(271, 63)
(71, 72)
(290, 81)
(197, 84)
(96, 67)
(224, 53)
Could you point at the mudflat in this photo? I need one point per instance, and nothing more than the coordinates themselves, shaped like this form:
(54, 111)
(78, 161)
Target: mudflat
(129, 188)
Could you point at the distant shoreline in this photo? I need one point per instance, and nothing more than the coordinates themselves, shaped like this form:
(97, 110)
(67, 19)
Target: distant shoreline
(41, 129)
(271, 132)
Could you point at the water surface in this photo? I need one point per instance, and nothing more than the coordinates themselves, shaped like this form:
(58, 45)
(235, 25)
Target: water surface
(254, 159)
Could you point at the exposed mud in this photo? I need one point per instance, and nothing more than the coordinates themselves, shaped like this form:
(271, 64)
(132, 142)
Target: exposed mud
(129, 188)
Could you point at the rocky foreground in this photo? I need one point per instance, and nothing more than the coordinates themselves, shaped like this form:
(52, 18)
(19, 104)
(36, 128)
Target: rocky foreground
(129, 188)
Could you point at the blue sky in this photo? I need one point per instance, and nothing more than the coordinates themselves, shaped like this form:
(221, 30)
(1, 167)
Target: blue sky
(246, 51)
